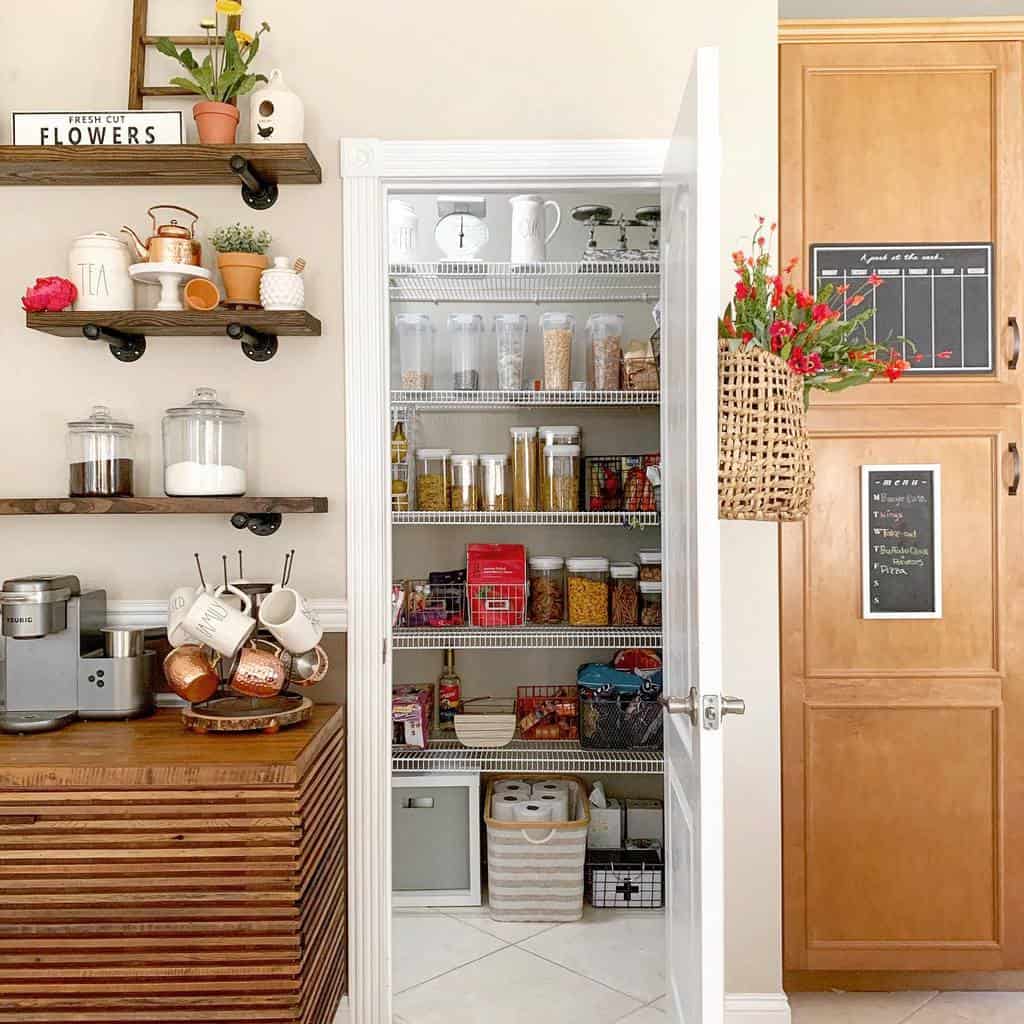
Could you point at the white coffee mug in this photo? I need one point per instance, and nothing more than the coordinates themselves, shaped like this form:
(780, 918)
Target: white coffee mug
(177, 605)
(293, 623)
(216, 624)
(529, 240)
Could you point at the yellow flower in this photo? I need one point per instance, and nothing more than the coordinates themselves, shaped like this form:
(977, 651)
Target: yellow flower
(243, 38)
(208, 23)
(229, 7)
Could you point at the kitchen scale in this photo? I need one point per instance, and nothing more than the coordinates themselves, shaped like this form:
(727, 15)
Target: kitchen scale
(460, 233)
(596, 215)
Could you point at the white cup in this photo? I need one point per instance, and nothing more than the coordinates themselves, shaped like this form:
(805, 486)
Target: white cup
(216, 624)
(294, 624)
(177, 605)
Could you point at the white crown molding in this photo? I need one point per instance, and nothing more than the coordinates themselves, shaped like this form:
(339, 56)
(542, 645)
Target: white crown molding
(900, 30)
(333, 613)
(757, 1008)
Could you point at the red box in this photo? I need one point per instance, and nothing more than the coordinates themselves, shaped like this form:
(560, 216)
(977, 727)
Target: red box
(496, 583)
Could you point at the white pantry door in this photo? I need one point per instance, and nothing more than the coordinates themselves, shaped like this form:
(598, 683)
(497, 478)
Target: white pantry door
(692, 646)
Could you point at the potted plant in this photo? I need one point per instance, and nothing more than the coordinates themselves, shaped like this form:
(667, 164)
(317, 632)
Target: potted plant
(241, 258)
(223, 74)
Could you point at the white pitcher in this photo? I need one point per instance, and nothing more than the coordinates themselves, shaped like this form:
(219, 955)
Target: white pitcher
(529, 220)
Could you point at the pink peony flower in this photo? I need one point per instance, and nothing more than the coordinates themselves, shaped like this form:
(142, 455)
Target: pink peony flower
(50, 295)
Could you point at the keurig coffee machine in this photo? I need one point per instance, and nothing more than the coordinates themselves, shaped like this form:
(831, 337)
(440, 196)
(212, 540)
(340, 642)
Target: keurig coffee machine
(60, 666)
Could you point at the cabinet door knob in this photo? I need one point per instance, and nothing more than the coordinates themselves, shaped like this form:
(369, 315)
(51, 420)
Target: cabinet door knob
(1015, 354)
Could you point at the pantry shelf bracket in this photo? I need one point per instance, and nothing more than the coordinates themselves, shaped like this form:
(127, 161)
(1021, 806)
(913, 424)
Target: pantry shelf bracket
(123, 346)
(256, 193)
(262, 524)
(257, 345)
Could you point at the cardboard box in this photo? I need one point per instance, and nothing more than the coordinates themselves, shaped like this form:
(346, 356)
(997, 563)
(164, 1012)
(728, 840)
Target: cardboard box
(606, 827)
(645, 819)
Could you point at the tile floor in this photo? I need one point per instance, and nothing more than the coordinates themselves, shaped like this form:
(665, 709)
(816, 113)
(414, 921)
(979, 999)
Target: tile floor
(907, 1007)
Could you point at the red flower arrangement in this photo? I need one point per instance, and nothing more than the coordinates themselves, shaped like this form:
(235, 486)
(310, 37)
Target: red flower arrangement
(820, 336)
(49, 295)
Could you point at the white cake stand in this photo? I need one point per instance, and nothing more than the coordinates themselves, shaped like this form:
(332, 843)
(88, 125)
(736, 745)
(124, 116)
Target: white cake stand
(171, 277)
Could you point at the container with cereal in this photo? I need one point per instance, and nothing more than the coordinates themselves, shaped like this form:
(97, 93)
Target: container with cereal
(547, 590)
(433, 479)
(650, 565)
(524, 469)
(465, 493)
(625, 603)
(561, 478)
(546, 436)
(588, 591)
(494, 489)
(559, 331)
(416, 350)
(604, 350)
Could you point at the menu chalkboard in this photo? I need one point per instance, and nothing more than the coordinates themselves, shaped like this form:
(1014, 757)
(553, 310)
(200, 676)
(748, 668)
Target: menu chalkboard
(901, 540)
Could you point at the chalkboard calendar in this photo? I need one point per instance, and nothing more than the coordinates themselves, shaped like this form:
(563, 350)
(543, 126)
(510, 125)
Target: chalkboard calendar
(901, 541)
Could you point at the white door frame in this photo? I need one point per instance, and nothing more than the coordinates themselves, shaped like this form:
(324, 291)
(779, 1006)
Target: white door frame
(369, 167)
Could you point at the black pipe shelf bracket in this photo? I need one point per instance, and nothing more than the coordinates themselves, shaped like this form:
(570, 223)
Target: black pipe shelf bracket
(257, 193)
(262, 524)
(123, 346)
(257, 345)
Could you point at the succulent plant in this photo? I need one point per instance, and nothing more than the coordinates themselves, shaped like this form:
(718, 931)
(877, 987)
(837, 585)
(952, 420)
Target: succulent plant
(239, 238)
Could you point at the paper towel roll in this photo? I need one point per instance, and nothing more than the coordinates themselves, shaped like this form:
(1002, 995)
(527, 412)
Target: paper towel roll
(559, 803)
(533, 813)
(504, 804)
(552, 786)
(512, 786)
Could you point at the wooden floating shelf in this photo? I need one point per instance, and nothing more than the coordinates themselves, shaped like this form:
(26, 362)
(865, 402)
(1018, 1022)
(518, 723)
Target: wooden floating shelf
(159, 506)
(183, 324)
(152, 166)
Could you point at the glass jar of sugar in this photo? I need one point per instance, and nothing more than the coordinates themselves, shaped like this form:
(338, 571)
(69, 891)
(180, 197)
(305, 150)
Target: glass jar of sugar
(205, 448)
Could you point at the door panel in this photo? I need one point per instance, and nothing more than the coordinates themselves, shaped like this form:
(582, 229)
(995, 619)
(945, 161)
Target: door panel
(901, 797)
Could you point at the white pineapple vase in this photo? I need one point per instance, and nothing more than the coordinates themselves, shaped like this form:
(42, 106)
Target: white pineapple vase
(281, 287)
(276, 114)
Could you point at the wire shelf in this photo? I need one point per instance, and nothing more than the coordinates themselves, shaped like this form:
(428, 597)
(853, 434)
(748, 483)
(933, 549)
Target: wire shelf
(520, 756)
(473, 400)
(628, 519)
(567, 281)
(407, 638)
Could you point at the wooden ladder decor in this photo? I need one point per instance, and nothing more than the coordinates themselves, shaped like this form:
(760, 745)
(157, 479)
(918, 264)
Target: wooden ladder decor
(141, 41)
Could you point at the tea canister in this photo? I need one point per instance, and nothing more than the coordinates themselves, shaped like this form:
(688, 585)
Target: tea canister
(98, 265)
(281, 286)
(276, 113)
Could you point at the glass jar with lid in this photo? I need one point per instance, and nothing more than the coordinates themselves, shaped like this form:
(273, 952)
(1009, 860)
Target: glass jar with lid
(650, 602)
(562, 478)
(101, 456)
(546, 436)
(604, 351)
(587, 583)
(547, 589)
(433, 479)
(558, 331)
(465, 334)
(416, 350)
(205, 448)
(494, 490)
(510, 335)
(625, 598)
(650, 565)
(524, 469)
(465, 495)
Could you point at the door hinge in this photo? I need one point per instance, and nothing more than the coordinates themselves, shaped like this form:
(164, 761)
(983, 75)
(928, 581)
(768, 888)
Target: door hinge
(713, 708)
(384, 651)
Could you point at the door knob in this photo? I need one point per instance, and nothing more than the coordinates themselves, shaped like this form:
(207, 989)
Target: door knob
(734, 706)
(682, 705)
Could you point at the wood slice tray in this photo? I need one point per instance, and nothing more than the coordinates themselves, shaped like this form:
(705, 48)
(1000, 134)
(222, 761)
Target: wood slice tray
(246, 714)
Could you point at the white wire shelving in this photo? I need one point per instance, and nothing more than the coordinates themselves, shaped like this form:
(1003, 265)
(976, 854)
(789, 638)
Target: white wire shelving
(626, 519)
(436, 638)
(474, 400)
(522, 756)
(551, 281)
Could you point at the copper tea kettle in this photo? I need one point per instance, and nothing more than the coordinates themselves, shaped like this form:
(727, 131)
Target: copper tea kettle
(170, 243)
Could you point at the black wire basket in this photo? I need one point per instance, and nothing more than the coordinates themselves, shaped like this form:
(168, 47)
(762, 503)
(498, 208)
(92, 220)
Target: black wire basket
(620, 723)
(625, 879)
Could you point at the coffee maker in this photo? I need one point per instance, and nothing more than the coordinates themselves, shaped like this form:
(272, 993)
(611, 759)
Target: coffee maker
(59, 664)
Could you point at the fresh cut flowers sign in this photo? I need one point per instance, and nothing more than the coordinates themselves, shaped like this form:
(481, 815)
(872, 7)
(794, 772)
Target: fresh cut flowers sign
(100, 128)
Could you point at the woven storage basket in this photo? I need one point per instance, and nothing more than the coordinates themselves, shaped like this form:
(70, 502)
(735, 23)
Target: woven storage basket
(765, 464)
(535, 872)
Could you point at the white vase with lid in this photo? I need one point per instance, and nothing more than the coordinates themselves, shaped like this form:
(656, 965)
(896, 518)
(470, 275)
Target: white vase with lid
(98, 265)
(276, 114)
(281, 286)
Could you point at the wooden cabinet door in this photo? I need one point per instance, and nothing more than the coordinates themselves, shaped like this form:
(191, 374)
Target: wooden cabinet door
(909, 142)
(903, 740)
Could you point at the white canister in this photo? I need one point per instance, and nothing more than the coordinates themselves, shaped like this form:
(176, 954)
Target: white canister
(281, 286)
(98, 265)
(276, 114)
(402, 231)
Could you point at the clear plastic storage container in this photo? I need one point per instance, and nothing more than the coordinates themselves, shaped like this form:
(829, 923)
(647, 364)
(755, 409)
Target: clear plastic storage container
(625, 594)
(433, 479)
(524, 469)
(650, 603)
(101, 456)
(562, 478)
(510, 337)
(547, 590)
(416, 350)
(546, 436)
(494, 488)
(650, 565)
(604, 350)
(205, 448)
(587, 583)
(465, 332)
(465, 490)
(559, 331)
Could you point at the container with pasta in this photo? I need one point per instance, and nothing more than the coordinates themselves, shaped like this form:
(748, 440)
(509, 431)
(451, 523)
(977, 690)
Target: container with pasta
(524, 469)
(625, 594)
(547, 590)
(465, 493)
(587, 585)
(433, 479)
(650, 603)
(561, 478)
(546, 436)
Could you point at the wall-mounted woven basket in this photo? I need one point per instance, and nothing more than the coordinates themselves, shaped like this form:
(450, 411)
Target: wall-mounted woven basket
(765, 464)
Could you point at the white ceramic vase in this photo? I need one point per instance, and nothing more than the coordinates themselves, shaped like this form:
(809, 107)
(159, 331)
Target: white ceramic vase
(281, 287)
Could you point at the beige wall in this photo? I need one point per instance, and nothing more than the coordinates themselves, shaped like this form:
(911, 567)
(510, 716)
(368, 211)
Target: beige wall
(403, 69)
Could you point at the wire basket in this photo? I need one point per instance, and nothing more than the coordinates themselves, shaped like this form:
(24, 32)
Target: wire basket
(620, 723)
(625, 879)
(496, 604)
(548, 712)
(432, 604)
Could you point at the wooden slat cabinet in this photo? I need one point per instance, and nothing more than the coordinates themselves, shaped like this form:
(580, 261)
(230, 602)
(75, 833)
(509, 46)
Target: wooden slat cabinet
(154, 875)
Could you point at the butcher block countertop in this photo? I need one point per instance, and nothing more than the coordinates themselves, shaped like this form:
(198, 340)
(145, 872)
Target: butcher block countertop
(158, 751)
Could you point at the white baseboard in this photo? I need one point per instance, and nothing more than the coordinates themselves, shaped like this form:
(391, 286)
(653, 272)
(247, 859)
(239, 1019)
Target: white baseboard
(333, 613)
(757, 1008)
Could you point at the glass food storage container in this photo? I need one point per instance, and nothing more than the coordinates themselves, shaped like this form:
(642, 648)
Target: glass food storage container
(546, 436)
(433, 479)
(510, 335)
(547, 590)
(650, 603)
(465, 494)
(650, 565)
(494, 489)
(465, 331)
(524, 469)
(562, 478)
(399, 488)
(559, 330)
(205, 448)
(101, 456)
(587, 584)
(604, 350)
(625, 594)
(416, 350)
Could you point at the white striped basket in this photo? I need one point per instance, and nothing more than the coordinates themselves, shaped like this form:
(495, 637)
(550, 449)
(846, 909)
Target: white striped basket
(535, 871)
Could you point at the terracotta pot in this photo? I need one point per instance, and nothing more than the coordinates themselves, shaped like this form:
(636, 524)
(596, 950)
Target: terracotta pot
(241, 273)
(217, 123)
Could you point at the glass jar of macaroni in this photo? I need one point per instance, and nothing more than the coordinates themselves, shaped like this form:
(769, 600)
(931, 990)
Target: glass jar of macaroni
(433, 479)
(587, 583)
